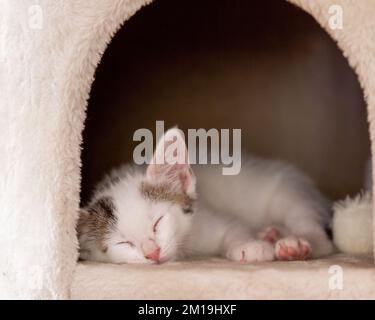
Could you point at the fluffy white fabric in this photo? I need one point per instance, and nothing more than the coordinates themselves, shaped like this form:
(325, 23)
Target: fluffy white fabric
(221, 279)
(46, 76)
(45, 80)
(352, 225)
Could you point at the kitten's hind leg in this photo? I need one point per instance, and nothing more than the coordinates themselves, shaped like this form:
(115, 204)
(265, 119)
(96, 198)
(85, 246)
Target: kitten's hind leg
(303, 240)
(287, 247)
(292, 248)
(271, 234)
(304, 217)
(298, 242)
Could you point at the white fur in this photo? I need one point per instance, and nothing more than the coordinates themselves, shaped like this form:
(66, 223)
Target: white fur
(230, 212)
(268, 193)
(136, 218)
(42, 121)
(223, 280)
(353, 220)
(352, 225)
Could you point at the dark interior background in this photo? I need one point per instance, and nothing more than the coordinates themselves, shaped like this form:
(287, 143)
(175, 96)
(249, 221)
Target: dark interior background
(263, 66)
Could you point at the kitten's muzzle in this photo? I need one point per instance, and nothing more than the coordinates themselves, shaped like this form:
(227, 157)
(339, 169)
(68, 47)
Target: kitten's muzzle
(154, 256)
(151, 250)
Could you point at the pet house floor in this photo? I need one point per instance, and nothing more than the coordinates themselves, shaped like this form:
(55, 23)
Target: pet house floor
(220, 279)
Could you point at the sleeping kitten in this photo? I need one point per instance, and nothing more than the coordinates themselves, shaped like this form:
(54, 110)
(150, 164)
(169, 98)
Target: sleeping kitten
(269, 211)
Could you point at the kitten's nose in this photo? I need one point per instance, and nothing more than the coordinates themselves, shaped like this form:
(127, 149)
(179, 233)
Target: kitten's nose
(151, 250)
(154, 256)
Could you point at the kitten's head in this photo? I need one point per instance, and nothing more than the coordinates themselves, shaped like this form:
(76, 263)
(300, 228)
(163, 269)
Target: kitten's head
(143, 217)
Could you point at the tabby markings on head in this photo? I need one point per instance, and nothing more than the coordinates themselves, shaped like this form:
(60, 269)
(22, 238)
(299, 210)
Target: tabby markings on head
(97, 220)
(162, 193)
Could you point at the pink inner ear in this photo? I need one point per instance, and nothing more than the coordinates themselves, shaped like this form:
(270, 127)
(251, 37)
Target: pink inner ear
(180, 174)
(184, 180)
(170, 164)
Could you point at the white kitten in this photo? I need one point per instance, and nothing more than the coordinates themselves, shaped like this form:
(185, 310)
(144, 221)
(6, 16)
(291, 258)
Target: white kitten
(269, 211)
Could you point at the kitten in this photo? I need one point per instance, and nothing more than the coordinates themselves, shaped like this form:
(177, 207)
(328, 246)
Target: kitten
(153, 215)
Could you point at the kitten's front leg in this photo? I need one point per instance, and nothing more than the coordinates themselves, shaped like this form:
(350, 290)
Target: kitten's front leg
(239, 245)
(251, 251)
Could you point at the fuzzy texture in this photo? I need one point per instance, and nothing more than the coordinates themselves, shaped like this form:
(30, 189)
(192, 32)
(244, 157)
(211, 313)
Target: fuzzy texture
(42, 122)
(270, 210)
(355, 40)
(221, 279)
(46, 75)
(352, 225)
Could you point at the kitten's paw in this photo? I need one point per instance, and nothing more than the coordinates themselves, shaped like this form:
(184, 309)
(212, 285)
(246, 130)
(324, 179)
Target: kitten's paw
(270, 234)
(252, 251)
(292, 248)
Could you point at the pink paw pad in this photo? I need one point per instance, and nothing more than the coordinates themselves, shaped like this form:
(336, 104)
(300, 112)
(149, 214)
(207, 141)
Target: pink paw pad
(270, 234)
(292, 248)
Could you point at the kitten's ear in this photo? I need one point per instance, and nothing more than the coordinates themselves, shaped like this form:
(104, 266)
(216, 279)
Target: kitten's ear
(170, 164)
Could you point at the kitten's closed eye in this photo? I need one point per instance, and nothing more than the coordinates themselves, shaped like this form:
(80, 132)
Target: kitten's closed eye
(155, 228)
(188, 210)
(129, 243)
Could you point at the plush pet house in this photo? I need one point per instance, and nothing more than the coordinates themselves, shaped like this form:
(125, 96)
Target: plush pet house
(49, 53)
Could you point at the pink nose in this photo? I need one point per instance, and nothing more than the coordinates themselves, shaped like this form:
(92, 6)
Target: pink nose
(154, 256)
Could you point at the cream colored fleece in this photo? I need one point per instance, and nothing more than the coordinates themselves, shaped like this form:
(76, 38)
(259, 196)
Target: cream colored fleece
(45, 79)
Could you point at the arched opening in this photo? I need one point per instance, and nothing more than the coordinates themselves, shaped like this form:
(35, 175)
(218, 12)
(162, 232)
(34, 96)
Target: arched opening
(265, 67)
(269, 70)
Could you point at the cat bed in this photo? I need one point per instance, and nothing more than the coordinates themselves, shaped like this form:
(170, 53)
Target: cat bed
(49, 52)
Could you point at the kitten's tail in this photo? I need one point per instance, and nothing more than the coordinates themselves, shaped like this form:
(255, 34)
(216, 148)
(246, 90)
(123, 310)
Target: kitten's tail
(352, 224)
